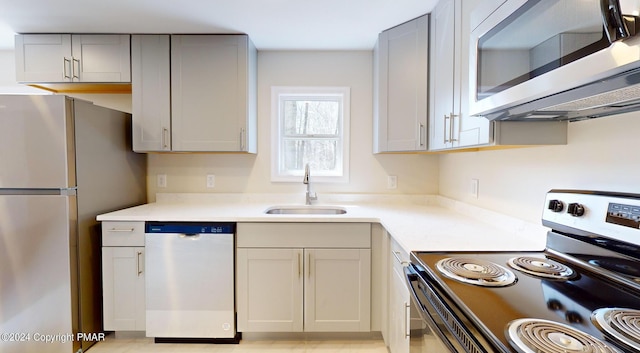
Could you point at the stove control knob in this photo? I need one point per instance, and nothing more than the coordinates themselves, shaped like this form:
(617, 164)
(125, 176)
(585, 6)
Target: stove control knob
(556, 205)
(575, 209)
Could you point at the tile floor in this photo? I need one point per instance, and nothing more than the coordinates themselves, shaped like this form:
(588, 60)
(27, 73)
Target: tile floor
(146, 345)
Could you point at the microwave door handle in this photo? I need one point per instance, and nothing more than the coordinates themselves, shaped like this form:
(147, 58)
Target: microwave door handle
(613, 21)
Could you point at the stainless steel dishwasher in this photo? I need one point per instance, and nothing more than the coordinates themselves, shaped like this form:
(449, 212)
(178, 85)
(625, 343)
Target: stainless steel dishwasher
(190, 282)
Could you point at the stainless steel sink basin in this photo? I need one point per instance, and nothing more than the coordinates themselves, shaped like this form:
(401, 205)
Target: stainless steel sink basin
(309, 210)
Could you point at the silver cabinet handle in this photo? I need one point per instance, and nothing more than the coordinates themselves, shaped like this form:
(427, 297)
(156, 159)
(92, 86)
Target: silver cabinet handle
(299, 264)
(396, 254)
(122, 230)
(139, 267)
(407, 320)
(309, 262)
(444, 134)
(452, 127)
(76, 72)
(421, 134)
(66, 68)
(165, 138)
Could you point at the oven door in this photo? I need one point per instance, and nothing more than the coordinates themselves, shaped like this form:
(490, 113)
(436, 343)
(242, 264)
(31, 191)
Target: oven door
(442, 331)
(431, 337)
(531, 49)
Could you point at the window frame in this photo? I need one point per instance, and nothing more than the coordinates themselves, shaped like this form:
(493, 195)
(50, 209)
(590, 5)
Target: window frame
(278, 95)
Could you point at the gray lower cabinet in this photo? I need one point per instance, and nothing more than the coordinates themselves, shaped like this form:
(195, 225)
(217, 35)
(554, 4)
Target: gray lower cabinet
(399, 301)
(123, 276)
(303, 277)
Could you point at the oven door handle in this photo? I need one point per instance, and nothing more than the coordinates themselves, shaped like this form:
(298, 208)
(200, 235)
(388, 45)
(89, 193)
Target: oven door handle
(413, 279)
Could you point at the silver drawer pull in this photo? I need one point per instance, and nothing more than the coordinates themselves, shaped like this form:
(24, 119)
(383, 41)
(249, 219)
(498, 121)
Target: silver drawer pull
(139, 267)
(122, 230)
(396, 254)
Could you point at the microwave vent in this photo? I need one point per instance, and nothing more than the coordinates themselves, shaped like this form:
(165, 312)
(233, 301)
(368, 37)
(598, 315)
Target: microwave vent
(620, 97)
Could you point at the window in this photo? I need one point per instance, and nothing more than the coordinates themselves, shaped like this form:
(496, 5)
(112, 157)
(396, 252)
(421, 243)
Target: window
(310, 125)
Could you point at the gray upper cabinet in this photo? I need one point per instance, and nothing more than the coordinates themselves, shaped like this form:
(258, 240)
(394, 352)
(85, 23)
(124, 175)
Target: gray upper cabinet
(194, 93)
(151, 92)
(64, 58)
(450, 125)
(401, 78)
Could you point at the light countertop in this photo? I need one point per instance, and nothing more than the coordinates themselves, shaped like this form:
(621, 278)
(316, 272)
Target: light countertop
(417, 223)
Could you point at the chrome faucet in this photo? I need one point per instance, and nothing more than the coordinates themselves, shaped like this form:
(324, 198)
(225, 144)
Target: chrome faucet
(310, 194)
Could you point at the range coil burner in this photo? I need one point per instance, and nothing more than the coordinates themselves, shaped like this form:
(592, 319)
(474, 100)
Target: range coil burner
(477, 272)
(541, 267)
(619, 324)
(537, 335)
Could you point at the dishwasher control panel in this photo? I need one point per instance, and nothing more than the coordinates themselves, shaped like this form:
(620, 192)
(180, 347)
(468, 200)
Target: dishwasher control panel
(190, 227)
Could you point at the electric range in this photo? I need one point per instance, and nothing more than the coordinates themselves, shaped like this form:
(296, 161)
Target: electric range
(581, 294)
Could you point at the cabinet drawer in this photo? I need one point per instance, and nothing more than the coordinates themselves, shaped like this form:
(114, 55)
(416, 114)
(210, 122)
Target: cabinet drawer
(304, 235)
(399, 257)
(122, 233)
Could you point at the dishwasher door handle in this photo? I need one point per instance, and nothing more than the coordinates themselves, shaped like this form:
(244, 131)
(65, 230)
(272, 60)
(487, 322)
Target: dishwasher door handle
(189, 236)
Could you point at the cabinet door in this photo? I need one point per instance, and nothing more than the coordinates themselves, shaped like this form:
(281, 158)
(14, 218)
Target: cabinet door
(123, 288)
(151, 92)
(51, 58)
(337, 290)
(443, 73)
(43, 58)
(101, 57)
(269, 287)
(399, 310)
(450, 123)
(471, 130)
(402, 63)
(209, 92)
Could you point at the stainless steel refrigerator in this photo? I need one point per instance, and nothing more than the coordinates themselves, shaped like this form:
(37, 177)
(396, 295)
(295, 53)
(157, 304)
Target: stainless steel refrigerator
(62, 162)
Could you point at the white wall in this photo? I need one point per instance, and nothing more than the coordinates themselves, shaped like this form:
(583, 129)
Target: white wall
(417, 174)
(602, 154)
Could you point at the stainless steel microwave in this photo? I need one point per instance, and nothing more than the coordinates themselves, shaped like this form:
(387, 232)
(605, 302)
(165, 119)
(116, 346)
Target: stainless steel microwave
(556, 59)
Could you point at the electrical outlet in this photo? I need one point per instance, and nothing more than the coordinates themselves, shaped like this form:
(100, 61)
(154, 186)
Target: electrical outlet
(161, 180)
(211, 181)
(392, 182)
(475, 185)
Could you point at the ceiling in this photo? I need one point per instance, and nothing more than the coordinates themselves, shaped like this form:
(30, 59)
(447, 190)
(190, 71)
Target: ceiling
(271, 24)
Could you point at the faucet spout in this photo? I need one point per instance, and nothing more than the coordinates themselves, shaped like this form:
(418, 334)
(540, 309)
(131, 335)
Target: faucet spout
(310, 195)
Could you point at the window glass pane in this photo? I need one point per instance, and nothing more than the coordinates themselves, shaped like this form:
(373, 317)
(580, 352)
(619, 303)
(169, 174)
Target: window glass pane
(320, 154)
(309, 117)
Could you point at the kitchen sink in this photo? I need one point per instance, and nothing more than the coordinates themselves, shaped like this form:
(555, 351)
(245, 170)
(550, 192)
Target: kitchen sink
(310, 210)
